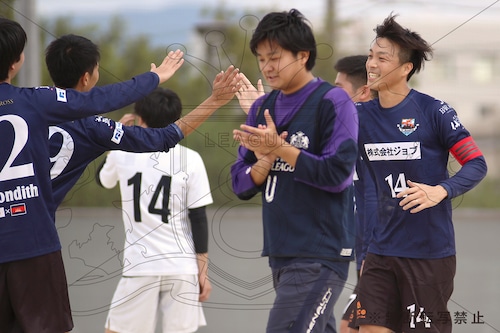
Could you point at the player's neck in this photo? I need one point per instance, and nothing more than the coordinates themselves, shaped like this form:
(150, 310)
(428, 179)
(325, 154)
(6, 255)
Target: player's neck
(298, 82)
(389, 98)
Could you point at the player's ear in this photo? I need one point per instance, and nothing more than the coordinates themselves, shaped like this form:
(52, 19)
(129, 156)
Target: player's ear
(408, 67)
(84, 80)
(303, 57)
(364, 93)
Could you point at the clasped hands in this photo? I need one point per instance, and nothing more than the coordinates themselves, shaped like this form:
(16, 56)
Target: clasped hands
(263, 140)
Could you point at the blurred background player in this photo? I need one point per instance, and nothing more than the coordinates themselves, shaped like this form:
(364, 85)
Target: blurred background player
(351, 76)
(165, 260)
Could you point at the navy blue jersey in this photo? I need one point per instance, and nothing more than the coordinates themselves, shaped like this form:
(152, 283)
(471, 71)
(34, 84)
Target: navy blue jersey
(27, 227)
(363, 230)
(73, 145)
(305, 207)
(412, 141)
(366, 206)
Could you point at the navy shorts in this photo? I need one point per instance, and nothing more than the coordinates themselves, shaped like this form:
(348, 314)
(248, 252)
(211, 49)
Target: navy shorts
(305, 296)
(34, 296)
(406, 294)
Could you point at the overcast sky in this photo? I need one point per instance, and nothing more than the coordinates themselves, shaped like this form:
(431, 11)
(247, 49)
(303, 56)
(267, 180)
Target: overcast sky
(310, 8)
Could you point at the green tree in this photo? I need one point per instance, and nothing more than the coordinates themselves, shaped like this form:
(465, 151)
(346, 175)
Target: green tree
(7, 9)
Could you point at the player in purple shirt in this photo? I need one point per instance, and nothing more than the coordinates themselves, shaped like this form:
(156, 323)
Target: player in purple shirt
(305, 181)
(405, 140)
(33, 288)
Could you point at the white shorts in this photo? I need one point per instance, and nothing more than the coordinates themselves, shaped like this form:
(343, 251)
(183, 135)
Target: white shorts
(138, 300)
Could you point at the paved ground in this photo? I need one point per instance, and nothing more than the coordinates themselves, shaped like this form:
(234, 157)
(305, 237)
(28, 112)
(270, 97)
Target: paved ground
(242, 295)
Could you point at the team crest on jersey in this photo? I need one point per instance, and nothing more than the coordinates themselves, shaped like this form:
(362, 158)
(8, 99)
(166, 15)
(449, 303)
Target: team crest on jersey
(407, 126)
(300, 140)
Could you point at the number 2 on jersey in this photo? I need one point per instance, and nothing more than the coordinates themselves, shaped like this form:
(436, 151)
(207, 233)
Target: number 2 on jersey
(9, 171)
(398, 186)
(162, 187)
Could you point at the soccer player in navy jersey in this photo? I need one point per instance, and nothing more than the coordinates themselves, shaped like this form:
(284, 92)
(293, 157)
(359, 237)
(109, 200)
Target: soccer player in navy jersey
(33, 288)
(351, 76)
(305, 179)
(405, 139)
(73, 62)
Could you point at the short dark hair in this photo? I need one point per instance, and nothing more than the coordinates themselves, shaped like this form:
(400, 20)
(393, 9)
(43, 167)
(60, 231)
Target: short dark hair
(69, 57)
(12, 42)
(289, 30)
(160, 108)
(355, 69)
(413, 48)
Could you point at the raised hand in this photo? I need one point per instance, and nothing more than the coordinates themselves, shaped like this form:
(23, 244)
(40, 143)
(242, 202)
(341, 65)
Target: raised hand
(224, 85)
(247, 93)
(170, 64)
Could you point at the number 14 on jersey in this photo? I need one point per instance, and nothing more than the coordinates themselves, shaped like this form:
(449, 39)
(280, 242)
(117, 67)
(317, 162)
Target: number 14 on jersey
(398, 185)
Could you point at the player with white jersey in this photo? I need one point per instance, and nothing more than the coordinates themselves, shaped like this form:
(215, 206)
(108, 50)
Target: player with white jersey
(165, 256)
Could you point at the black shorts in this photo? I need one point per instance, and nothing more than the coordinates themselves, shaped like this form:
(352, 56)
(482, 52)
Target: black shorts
(406, 294)
(34, 296)
(349, 309)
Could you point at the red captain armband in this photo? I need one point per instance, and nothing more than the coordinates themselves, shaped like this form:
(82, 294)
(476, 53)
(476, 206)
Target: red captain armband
(465, 150)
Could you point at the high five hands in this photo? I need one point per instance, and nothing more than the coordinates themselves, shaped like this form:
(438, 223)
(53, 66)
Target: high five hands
(170, 64)
(247, 93)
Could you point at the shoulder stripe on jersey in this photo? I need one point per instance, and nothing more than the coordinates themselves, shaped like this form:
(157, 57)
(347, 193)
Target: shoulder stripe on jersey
(465, 150)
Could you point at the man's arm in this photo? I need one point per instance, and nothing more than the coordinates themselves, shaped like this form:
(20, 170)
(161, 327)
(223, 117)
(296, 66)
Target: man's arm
(106, 175)
(199, 227)
(464, 149)
(62, 105)
(420, 196)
